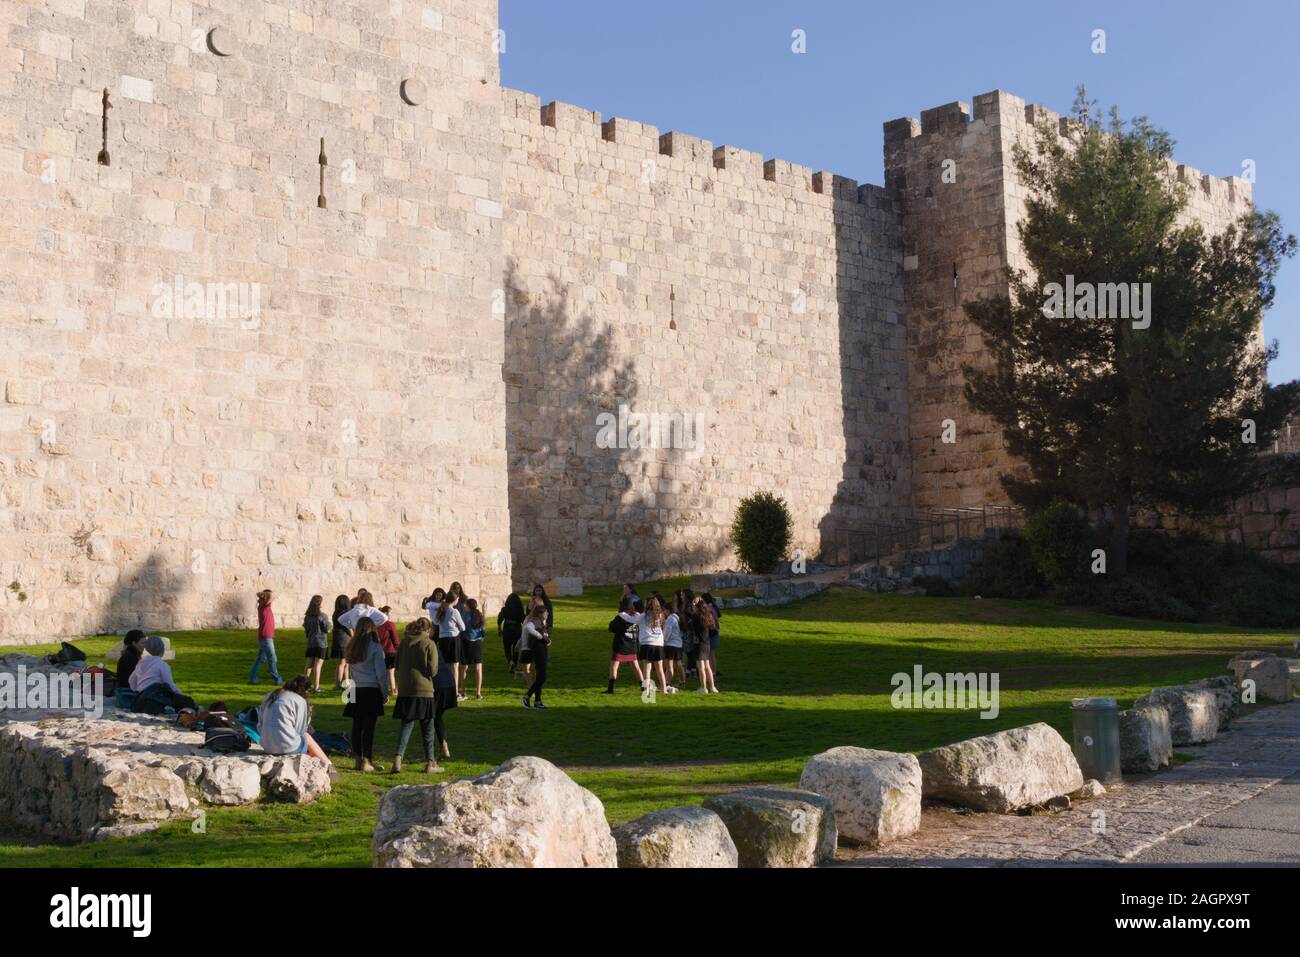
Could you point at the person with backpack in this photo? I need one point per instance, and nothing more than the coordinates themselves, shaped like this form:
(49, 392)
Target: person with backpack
(283, 718)
(316, 626)
(623, 627)
(418, 665)
(368, 693)
(265, 639)
(538, 639)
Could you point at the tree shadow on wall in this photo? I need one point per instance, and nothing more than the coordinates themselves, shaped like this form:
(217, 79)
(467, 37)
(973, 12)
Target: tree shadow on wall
(145, 596)
(876, 481)
(577, 508)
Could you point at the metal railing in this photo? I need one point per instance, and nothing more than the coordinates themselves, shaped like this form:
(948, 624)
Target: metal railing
(874, 542)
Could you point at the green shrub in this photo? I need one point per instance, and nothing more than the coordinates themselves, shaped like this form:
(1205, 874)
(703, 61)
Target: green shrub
(1007, 570)
(1061, 541)
(760, 532)
(1143, 596)
(935, 586)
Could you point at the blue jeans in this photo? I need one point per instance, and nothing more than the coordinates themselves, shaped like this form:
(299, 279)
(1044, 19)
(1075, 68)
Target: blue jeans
(265, 652)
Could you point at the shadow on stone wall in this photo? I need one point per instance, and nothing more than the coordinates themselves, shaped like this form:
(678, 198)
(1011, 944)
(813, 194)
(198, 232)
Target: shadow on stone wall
(145, 596)
(576, 509)
(875, 485)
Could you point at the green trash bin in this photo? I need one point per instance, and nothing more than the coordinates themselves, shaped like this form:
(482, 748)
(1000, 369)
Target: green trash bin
(1096, 738)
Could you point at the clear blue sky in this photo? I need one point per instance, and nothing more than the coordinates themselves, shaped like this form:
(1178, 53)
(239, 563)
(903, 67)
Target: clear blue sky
(1224, 79)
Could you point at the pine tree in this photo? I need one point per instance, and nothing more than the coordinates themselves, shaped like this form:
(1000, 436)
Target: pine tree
(1166, 404)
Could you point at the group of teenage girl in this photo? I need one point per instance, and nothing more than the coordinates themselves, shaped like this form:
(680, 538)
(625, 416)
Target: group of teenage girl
(429, 669)
(666, 641)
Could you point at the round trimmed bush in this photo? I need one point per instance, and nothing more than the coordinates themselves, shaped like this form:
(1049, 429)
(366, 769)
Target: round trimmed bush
(760, 532)
(1060, 540)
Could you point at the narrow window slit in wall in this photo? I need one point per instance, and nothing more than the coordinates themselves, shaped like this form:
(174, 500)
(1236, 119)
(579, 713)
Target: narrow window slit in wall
(954, 284)
(672, 307)
(320, 198)
(103, 149)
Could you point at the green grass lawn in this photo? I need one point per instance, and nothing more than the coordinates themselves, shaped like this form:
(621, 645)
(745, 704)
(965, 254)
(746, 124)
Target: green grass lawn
(795, 680)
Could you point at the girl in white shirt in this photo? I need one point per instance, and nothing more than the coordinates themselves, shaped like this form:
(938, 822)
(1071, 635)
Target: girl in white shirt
(450, 625)
(362, 607)
(650, 648)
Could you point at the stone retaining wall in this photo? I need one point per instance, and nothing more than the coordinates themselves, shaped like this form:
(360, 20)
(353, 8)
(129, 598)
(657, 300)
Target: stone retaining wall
(75, 778)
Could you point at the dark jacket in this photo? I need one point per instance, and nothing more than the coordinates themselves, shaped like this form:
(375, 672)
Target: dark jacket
(126, 664)
(417, 665)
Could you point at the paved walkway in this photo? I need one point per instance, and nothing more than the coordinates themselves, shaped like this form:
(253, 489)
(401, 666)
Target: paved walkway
(1237, 802)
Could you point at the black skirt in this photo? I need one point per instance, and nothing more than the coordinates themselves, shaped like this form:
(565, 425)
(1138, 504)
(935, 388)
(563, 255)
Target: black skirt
(414, 709)
(448, 648)
(672, 653)
(444, 699)
(338, 644)
(650, 653)
(315, 652)
(369, 701)
(471, 652)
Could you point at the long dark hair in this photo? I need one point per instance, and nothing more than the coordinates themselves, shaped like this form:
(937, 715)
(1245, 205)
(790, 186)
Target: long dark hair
(359, 645)
(437, 595)
(313, 607)
(298, 684)
(476, 616)
(512, 609)
(341, 604)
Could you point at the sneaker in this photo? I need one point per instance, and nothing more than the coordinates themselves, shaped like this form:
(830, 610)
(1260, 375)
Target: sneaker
(701, 690)
(539, 707)
(670, 690)
(526, 704)
(478, 697)
(461, 697)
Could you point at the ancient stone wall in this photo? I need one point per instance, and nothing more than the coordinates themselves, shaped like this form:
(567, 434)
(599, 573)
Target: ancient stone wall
(213, 383)
(757, 303)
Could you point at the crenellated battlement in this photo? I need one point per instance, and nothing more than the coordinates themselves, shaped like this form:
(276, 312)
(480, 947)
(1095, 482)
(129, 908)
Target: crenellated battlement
(688, 152)
(999, 108)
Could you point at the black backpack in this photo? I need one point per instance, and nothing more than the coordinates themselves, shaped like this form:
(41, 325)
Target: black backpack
(66, 655)
(225, 739)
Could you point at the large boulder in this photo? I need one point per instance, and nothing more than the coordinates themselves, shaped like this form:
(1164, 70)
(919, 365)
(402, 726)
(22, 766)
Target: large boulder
(230, 781)
(1002, 772)
(299, 779)
(1145, 743)
(777, 827)
(677, 837)
(525, 813)
(1226, 697)
(1271, 675)
(876, 794)
(1193, 712)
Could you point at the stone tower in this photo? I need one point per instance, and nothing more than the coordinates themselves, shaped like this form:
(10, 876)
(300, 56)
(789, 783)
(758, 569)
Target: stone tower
(960, 233)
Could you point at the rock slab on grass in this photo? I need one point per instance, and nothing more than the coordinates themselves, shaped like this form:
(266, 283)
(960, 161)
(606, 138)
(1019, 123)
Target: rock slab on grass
(1193, 712)
(676, 837)
(1145, 741)
(778, 827)
(1002, 772)
(876, 794)
(525, 813)
(1271, 676)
